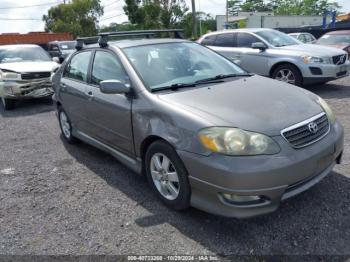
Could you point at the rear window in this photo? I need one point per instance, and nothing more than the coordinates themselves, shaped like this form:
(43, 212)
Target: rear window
(225, 40)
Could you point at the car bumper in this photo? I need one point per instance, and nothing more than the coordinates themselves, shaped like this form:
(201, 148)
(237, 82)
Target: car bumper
(320, 73)
(272, 178)
(26, 89)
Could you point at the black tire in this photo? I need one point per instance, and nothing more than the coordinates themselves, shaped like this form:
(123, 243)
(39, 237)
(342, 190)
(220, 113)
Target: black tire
(297, 75)
(8, 103)
(182, 201)
(67, 136)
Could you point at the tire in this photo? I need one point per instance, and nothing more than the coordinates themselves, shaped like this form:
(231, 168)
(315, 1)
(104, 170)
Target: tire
(8, 103)
(281, 72)
(161, 183)
(66, 126)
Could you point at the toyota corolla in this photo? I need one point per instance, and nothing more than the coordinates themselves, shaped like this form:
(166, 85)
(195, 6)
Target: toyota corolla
(205, 132)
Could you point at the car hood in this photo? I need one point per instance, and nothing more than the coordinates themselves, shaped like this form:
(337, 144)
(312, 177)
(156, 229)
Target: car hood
(254, 104)
(340, 46)
(28, 67)
(313, 50)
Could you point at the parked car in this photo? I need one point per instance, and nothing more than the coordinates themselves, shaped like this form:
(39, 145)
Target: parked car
(204, 131)
(338, 39)
(303, 37)
(274, 54)
(61, 49)
(25, 72)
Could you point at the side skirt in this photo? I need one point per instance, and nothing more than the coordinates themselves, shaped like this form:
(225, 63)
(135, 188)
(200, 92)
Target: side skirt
(134, 164)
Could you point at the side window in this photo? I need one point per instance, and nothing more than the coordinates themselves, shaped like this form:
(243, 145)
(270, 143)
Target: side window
(78, 67)
(302, 38)
(209, 40)
(246, 40)
(225, 40)
(107, 67)
(309, 38)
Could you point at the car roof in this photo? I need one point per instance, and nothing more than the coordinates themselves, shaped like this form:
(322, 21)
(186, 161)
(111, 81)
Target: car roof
(339, 32)
(57, 42)
(249, 30)
(17, 46)
(139, 42)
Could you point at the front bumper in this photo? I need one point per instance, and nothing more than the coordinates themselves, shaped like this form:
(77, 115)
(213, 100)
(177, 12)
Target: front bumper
(320, 73)
(274, 178)
(26, 89)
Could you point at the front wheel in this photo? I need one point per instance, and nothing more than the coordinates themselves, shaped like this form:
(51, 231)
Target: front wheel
(167, 175)
(288, 73)
(8, 103)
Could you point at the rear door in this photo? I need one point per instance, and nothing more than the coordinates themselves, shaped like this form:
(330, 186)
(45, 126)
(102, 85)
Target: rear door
(224, 44)
(109, 115)
(73, 85)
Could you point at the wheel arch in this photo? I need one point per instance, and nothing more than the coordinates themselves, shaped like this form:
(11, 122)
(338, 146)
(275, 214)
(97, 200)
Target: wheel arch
(273, 68)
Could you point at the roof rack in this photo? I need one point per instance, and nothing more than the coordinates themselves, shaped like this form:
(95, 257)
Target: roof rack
(102, 39)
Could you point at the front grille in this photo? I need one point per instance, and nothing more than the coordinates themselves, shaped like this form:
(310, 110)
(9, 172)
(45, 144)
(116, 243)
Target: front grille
(301, 135)
(339, 59)
(36, 75)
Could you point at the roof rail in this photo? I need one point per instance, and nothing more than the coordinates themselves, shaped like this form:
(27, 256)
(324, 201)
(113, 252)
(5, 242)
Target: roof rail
(86, 40)
(102, 39)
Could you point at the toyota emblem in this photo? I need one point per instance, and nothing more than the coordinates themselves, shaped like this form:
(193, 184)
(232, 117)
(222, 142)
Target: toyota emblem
(313, 127)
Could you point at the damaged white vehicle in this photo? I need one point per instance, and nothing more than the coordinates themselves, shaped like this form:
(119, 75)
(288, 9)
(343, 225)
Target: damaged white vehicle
(25, 72)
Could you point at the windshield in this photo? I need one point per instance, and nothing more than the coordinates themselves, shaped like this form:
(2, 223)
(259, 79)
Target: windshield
(276, 38)
(162, 65)
(21, 54)
(334, 40)
(67, 45)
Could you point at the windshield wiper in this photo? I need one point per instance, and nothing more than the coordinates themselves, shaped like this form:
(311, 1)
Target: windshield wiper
(174, 86)
(219, 77)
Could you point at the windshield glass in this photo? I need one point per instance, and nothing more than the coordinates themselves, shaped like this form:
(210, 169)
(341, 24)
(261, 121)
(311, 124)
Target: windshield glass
(21, 54)
(67, 45)
(276, 38)
(162, 65)
(334, 40)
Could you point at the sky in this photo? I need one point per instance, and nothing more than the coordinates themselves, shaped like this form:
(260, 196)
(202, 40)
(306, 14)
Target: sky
(9, 9)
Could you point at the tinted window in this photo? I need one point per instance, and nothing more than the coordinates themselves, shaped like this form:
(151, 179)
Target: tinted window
(246, 40)
(224, 40)
(209, 40)
(107, 67)
(78, 67)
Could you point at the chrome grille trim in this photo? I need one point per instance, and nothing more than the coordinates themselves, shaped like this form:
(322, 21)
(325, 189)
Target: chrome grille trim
(301, 129)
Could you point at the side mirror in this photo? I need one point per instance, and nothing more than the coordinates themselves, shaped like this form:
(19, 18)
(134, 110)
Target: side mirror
(113, 87)
(56, 59)
(259, 45)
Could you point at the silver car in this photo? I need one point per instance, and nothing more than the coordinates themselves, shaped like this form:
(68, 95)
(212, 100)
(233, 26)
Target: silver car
(204, 131)
(303, 37)
(271, 53)
(25, 72)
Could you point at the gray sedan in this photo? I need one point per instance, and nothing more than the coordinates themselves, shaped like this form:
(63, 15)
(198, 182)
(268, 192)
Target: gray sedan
(274, 54)
(204, 131)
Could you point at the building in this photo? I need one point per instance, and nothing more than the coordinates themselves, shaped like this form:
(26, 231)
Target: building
(267, 20)
(39, 38)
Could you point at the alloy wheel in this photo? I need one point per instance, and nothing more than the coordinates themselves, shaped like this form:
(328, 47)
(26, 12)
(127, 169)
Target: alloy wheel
(164, 176)
(285, 75)
(66, 128)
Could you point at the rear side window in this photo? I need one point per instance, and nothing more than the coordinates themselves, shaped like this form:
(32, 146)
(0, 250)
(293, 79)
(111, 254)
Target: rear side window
(209, 40)
(246, 40)
(225, 40)
(107, 67)
(78, 67)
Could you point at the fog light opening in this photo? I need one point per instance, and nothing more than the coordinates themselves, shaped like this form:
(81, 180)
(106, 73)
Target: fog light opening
(243, 199)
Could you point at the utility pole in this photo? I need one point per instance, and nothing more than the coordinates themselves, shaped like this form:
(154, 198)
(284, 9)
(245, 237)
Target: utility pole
(194, 19)
(226, 26)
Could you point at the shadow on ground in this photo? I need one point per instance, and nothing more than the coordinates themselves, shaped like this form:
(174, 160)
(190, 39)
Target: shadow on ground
(28, 107)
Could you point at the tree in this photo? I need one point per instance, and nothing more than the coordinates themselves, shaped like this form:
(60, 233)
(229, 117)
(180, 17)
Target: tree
(79, 17)
(155, 13)
(303, 7)
(207, 23)
(255, 6)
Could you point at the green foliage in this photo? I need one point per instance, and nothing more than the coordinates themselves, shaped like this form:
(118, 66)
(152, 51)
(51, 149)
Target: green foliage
(79, 17)
(255, 6)
(303, 7)
(207, 24)
(155, 13)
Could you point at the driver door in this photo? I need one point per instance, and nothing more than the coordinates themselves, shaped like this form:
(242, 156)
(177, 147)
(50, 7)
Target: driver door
(109, 115)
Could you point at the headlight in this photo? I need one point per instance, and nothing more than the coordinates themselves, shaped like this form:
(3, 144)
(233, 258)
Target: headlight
(237, 142)
(9, 76)
(315, 60)
(327, 109)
